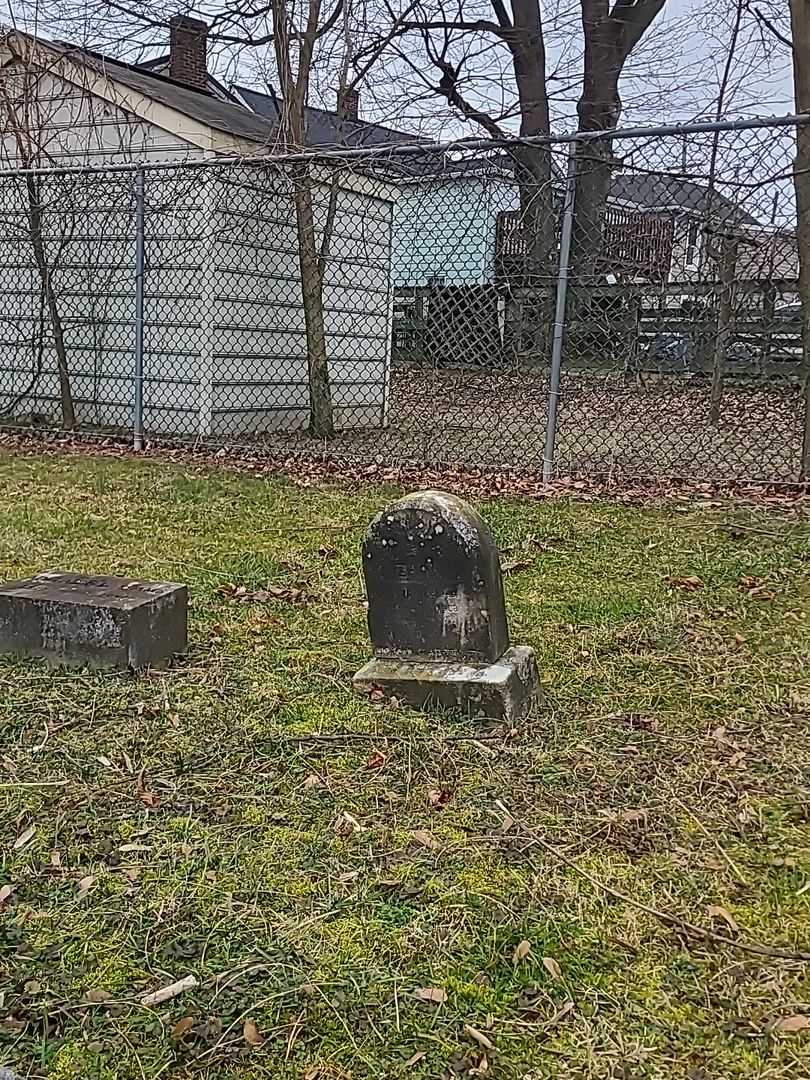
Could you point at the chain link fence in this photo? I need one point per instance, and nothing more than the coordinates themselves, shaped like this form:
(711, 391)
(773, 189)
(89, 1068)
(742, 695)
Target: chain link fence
(623, 303)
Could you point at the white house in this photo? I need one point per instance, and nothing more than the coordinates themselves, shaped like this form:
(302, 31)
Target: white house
(225, 348)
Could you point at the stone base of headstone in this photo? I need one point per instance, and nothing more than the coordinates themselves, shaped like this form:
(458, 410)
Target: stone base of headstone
(503, 690)
(100, 622)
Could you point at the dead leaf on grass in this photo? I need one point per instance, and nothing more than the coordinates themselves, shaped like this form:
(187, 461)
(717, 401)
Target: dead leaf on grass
(238, 594)
(552, 967)
(312, 781)
(346, 824)
(561, 1013)
(515, 567)
(376, 760)
(715, 911)
(762, 594)
(182, 1027)
(5, 893)
(414, 1058)
(799, 1022)
(686, 584)
(251, 1033)
(483, 1041)
(432, 995)
(522, 950)
(277, 592)
(56, 859)
(230, 591)
(425, 839)
(439, 797)
(24, 838)
(636, 721)
(84, 886)
(97, 997)
(720, 735)
(755, 587)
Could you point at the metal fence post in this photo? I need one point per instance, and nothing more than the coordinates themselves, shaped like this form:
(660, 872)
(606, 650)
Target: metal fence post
(559, 311)
(140, 249)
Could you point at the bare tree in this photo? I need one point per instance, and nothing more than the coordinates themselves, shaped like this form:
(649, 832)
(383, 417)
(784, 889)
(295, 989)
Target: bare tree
(522, 34)
(610, 35)
(290, 40)
(21, 115)
(294, 48)
(725, 252)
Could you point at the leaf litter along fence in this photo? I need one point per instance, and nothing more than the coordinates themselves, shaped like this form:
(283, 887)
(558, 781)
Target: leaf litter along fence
(622, 304)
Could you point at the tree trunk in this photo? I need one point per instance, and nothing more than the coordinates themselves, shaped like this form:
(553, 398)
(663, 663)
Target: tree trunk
(533, 176)
(610, 35)
(294, 90)
(594, 171)
(594, 174)
(533, 163)
(800, 24)
(321, 419)
(598, 109)
(37, 243)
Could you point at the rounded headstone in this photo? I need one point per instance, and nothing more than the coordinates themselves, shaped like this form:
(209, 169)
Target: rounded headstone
(433, 581)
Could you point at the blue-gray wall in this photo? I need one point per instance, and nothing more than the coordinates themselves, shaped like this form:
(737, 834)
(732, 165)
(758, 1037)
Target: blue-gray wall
(445, 228)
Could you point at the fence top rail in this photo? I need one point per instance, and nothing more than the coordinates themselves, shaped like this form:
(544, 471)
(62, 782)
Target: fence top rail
(415, 149)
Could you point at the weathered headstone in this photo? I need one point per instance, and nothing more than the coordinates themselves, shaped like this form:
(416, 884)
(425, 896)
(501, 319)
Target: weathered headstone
(436, 611)
(103, 622)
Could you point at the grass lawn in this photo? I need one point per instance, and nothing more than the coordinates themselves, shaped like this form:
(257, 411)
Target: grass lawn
(314, 858)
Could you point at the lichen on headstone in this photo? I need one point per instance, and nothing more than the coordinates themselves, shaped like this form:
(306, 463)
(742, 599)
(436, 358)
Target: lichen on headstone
(433, 582)
(436, 611)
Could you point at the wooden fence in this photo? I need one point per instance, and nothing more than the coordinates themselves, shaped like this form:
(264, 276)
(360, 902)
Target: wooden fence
(637, 245)
(665, 329)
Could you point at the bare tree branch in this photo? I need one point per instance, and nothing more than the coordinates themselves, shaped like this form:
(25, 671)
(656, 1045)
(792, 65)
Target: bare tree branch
(766, 22)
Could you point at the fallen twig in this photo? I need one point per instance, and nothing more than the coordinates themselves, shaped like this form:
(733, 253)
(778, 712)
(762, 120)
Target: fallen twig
(688, 928)
(365, 736)
(34, 784)
(173, 990)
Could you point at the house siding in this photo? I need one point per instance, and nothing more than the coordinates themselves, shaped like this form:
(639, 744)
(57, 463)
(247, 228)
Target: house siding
(89, 240)
(445, 229)
(259, 347)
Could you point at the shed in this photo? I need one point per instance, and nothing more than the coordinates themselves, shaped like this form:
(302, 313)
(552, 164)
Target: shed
(225, 348)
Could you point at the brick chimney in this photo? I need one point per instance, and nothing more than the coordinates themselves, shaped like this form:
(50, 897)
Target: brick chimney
(188, 40)
(348, 104)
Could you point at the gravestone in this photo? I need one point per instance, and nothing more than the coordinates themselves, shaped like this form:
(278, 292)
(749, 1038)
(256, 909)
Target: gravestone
(102, 622)
(436, 611)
